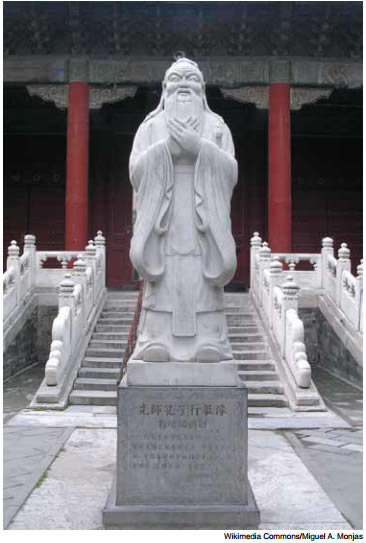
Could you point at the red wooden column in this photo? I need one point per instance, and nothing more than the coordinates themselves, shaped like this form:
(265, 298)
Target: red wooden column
(77, 163)
(279, 166)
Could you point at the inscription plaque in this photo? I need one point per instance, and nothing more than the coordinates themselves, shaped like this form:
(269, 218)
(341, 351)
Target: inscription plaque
(182, 445)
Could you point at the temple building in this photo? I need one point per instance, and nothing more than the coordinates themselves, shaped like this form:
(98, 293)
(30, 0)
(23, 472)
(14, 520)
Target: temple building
(79, 78)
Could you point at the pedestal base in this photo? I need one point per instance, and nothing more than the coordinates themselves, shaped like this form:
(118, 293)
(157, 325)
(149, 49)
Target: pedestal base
(181, 459)
(184, 517)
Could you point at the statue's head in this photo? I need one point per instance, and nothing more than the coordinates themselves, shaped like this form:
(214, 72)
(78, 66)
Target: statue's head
(183, 91)
(183, 77)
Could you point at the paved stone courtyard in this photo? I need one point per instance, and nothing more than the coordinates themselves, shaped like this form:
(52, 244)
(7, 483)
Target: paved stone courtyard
(305, 469)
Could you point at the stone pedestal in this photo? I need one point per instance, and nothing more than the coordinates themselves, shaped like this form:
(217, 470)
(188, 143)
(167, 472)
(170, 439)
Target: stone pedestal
(181, 459)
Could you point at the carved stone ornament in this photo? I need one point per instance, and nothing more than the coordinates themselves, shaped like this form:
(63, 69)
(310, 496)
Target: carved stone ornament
(50, 93)
(108, 95)
(301, 96)
(259, 95)
(253, 95)
(58, 94)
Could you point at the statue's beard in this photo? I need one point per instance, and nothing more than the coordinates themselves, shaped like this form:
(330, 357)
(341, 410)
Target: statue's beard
(182, 106)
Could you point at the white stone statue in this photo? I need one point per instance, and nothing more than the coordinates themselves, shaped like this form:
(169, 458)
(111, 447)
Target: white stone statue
(183, 169)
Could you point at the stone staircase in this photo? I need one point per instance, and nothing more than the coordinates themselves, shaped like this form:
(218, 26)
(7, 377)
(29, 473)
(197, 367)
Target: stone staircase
(252, 354)
(100, 370)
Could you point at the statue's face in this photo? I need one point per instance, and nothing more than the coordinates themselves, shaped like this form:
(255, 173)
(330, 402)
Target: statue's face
(183, 80)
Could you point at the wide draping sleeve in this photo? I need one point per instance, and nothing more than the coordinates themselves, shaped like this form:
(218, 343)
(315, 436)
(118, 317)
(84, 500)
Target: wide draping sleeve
(215, 177)
(151, 174)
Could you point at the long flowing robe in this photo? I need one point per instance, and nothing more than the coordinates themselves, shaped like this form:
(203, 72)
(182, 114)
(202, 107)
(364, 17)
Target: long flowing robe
(184, 282)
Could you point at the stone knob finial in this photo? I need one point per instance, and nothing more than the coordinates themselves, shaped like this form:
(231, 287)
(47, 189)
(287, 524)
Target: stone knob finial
(360, 269)
(344, 252)
(79, 264)
(256, 240)
(13, 249)
(275, 266)
(99, 239)
(29, 241)
(327, 242)
(265, 251)
(289, 287)
(90, 248)
(67, 284)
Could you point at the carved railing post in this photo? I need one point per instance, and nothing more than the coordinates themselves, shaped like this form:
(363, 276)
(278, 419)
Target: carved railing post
(30, 249)
(90, 259)
(290, 300)
(264, 263)
(99, 242)
(66, 292)
(359, 295)
(275, 272)
(255, 245)
(13, 263)
(79, 276)
(290, 293)
(327, 249)
(343, 263)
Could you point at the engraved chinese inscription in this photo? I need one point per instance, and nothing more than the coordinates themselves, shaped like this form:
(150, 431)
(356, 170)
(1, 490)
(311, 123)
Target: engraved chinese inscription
(183, 448)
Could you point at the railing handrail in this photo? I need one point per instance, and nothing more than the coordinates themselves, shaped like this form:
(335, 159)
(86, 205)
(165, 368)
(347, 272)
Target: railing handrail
(326, 278)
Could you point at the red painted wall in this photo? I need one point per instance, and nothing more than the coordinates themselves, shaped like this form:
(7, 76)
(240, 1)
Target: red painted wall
(34, 190)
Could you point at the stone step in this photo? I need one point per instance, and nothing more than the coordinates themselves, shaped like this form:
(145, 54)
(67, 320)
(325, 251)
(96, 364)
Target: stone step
(87, 383)
(115, 295)
(245, 355)
(99, 373)
(267, 400)
(104, 353)
(239, 320)
(115, 315)
(246, 338)
(116, 312)
(107, 344)
(112, 321)
(110, 336)
(258, 375)
(248, 328)
(254, 365)
(248, 346)
(230, 315)
(118, 328)
(100, 362)
(235, 309)
(93, 397)
(264, 387)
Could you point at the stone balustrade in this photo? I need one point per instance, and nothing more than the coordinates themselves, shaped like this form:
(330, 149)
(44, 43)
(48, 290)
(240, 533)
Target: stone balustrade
(330, 277)
(275, 294)
(77, 281)
(32, 271)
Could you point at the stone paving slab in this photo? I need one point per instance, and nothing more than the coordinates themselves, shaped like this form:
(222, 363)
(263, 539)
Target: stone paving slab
(287, 494)
(74, 492)
(89, 417)
(75, 488)
(337, 469)
(27, 454)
